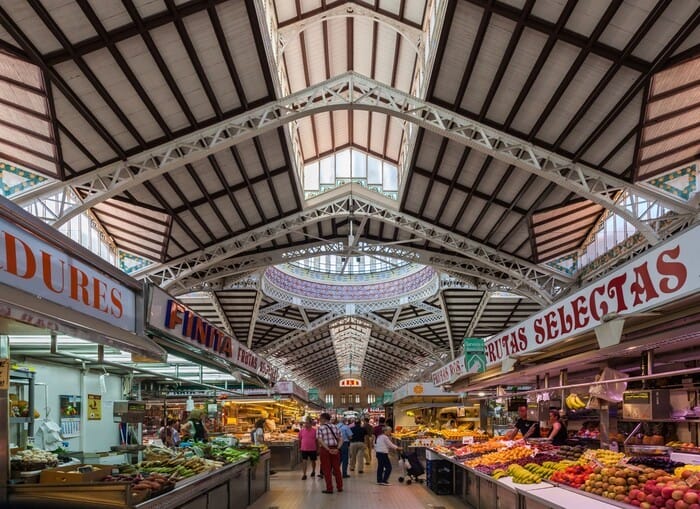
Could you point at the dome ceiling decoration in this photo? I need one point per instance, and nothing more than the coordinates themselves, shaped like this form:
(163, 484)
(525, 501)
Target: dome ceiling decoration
(199, 119)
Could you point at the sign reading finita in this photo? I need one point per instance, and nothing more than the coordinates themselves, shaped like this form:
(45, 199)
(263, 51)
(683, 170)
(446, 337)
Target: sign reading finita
(179, 322)
(351, 382)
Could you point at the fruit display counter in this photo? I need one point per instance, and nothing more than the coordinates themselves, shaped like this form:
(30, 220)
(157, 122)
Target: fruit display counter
(499, 473)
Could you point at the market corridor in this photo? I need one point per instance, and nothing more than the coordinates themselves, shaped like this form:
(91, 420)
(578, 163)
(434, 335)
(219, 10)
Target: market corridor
(288, 491)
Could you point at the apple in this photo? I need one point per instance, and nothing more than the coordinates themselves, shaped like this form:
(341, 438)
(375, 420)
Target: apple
(694, 506)
(670, 504)
(680, 505)
(690, 497)
(645, 505)
(677, 494)
(636, 502)
(666, 491)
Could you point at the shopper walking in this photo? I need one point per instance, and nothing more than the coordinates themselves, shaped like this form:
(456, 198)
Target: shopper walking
(329, 441)
(346, 432)
(382, 448)
(369, 440)
(379, 429)
(357, 448)
(308, 446)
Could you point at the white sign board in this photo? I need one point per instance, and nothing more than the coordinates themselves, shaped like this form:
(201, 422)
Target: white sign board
(33, 266)
(664, 274)
(450, 372)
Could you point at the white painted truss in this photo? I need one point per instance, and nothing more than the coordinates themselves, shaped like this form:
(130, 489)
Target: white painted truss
(350, 201)
(349, 91)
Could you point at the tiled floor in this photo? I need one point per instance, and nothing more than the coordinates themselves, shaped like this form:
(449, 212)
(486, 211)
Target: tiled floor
(288, 491)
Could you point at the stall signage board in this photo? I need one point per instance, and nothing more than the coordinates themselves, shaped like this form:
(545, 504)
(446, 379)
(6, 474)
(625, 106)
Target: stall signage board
(419, 389)
(287, 387)
(94, 407)
(387, 397)
(313, 394)
(450, 371)
(475, 345)
(665, 273)
(179, 322)
(33, 266)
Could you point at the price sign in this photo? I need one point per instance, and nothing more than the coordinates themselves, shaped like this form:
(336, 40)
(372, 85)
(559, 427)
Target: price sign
(467, 440)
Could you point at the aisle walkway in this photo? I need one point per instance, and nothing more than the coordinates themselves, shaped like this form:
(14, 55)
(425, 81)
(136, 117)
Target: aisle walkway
(288, 491)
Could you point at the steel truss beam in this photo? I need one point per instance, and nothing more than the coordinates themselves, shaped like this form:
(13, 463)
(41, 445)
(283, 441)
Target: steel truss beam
(348, 91)
(350, 201)
(222, 314)
(478, 314)
(322, 323)
(448, 327)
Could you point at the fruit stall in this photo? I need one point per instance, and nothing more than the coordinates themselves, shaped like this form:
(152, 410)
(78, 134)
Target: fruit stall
(516, 474)
(210, 476)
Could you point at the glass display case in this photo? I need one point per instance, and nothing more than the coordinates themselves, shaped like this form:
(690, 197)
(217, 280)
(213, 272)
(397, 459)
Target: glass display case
(21, 406)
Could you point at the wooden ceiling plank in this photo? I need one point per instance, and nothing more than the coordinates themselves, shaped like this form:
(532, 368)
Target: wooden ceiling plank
(194, 59)
(658, 64)
(178, 191)
(612, 71)
(227, 190)
(166, 206)
(505, 59)
(122, 33)
(121, 62)
(575, 67)
(202, 189)
(143, 31)
(473, 55)
(565, 35)
(228, 58)
(85, 69)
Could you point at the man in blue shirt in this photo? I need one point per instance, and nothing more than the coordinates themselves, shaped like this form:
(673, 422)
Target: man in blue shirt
(346, 432)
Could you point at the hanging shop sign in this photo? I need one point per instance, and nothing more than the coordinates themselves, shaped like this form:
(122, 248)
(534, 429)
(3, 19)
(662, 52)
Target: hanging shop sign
(40, 269)
(287, 387)
(179, 322)
(662, 275)
(450, 371)
(418, 389)
(351, 382)
(313, 394)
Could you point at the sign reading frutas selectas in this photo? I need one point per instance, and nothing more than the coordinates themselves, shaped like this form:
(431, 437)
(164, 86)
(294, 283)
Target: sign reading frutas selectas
(33, 266)
(450, 371)
(179, 322)
(664, 274)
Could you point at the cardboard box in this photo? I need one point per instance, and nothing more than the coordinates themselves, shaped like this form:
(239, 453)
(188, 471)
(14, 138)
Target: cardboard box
(73, 475)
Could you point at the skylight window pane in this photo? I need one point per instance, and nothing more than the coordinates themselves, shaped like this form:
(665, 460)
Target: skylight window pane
(390, 178)
(359, 164)
(342, 164)
(327, 171)
(311, 177)
(374, 171)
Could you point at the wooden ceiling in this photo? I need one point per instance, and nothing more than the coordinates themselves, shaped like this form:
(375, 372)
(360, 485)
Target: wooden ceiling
(593, 82)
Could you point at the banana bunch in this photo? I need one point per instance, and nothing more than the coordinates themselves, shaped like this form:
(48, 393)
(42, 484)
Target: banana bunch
(574, 402)
(498, 473)
(521, 475)
(540, 470)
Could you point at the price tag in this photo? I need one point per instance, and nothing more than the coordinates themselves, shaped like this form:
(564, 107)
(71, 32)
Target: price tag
(467, 440)
(692, 480)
